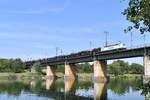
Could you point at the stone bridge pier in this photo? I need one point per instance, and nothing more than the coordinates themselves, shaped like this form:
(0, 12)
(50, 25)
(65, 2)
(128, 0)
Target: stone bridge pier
(50, 72)
(100, 71)
(70, 72)
(146, 68)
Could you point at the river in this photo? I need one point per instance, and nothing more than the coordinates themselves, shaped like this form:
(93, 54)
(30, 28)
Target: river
(83, 89)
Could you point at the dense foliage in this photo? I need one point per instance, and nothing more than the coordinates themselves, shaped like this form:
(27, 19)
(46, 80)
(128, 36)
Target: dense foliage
(117, 67)
(37, 67)
(80, 68)
(84, 68)
(121, 86)
(138, 12)
(120, 67)
(11, 65)
(145, 89)
(60, 68)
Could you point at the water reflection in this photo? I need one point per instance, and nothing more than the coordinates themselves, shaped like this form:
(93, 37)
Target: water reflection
(145, 87)
(100, 91)
(69, 85)
(50, 84)
(32, 84)
(115, 89)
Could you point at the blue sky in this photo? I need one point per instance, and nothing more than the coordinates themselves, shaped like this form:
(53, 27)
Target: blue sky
(34, 28)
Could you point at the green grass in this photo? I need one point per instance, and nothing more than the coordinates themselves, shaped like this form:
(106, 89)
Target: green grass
(36, 76)
(20, 76)
(126, 76)
(4, 78)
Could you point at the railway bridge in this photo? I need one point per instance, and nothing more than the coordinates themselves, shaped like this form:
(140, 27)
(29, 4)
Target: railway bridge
(98, 57)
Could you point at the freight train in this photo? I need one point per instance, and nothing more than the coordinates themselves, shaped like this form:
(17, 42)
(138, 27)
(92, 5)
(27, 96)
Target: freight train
(110, 48)
(105, 49)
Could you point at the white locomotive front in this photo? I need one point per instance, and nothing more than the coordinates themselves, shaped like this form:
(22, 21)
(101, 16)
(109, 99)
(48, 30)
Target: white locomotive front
(114, 47)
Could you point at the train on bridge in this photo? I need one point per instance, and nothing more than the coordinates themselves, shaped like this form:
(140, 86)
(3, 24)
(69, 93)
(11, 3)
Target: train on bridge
(119, 46)
(99, 56)
(110, 48)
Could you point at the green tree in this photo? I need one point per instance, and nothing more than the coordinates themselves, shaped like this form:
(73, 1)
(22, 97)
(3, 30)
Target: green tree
(60, 68)
(136, 69)
(17, 65)
(124, 66)
(37, 67)
(115, 69)
(11, 65)
(84, 68)
(138, 12)
(118, 67)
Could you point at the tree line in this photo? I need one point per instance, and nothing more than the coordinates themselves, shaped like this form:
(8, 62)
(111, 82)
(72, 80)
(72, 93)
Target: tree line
(118, 67)
(12, 65)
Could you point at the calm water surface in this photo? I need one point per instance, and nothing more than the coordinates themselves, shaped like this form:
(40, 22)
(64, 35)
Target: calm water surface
(115, 89)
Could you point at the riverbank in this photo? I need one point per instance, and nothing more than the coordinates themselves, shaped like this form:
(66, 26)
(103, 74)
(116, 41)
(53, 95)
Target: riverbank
(21, 76)
(127, 76)
(36, 76)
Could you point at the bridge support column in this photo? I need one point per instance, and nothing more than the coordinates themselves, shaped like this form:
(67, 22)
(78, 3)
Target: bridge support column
(50, 73)
(100, 71)
(147, 68)
(70, 71)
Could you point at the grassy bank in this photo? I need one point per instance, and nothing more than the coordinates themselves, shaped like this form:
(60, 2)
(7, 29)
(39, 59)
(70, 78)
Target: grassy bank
(21, 76)
(36, 76)
(90, 75)
(126, 76)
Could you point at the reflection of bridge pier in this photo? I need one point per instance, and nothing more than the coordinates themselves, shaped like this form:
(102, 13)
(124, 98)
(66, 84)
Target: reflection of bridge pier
(50, 84)
(100, 91)
(32, 84)
(69, 85)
